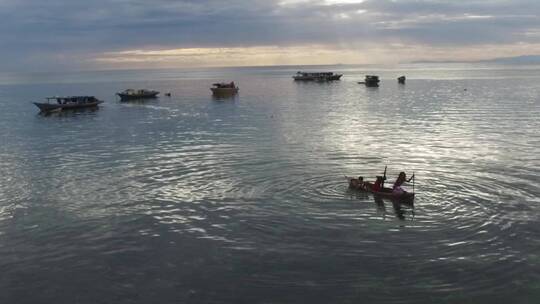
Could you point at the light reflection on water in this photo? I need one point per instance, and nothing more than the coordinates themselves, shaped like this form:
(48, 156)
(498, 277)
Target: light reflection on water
(199, 199)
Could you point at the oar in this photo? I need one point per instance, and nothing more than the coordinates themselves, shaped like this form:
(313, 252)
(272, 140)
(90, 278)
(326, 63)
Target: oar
(384, 177)
(414, 177)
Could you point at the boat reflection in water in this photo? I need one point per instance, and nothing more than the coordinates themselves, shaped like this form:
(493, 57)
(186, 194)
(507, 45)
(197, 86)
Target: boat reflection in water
(400, 208)
(70, 113)
(400, 202)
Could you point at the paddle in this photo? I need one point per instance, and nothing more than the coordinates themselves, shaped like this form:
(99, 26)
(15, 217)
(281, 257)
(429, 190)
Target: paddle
(384, 177)
(413, 178)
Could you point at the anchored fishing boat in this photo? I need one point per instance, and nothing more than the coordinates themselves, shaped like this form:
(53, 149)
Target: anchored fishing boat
(316, 76)
(223, 88)
(131, 94)
(67, 103)
(371, 81)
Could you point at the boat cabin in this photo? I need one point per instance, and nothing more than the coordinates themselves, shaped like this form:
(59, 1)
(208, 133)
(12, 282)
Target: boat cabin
(316, 76)
(372, 81)
(224, 85)
(73, 99)
(138, 92)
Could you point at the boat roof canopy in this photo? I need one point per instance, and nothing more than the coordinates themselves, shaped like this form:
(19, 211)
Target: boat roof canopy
(70, 98)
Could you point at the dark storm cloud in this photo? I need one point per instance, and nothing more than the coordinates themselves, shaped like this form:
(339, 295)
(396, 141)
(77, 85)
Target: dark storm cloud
(34, 31)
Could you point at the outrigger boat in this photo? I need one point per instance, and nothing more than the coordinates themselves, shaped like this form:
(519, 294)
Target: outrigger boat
(68, 103)
(131, 94)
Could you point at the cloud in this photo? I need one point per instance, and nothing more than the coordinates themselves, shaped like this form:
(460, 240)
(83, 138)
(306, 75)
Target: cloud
(75, 33)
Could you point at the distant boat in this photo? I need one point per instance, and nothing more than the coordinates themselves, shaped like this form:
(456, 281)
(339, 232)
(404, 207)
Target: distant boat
(67, 103)
(131, 94)
(223, 88)
(316, 76)
(371, 81)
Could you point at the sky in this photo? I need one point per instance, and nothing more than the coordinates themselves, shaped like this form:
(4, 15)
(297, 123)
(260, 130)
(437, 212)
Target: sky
(117, 34)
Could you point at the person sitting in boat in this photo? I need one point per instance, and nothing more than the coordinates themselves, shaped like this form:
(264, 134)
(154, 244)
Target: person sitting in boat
(378, 185)
(356, 183)
(402, 177)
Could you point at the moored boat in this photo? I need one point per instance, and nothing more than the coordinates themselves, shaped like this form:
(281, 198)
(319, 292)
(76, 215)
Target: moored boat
(68, 103)
(222, 88)
(371, 81)
(316, 76)
(131, 94)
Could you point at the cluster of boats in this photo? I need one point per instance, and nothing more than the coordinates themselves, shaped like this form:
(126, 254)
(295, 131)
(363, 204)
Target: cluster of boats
(220, 89)
(370, 80)
(59, 103)
(227, 89)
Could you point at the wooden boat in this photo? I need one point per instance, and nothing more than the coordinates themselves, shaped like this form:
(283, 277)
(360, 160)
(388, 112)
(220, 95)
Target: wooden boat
(131, 94)
(222, 88)
(68, 103)
(371, 81)
(316, 76)
(405, 197)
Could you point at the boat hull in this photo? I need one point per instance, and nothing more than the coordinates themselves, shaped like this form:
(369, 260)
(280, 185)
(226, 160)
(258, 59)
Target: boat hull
(224, 91)
(50, 107)
(318, 78)
(124, 97)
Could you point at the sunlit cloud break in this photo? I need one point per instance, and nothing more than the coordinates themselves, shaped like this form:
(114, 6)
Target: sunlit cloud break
(232, 56)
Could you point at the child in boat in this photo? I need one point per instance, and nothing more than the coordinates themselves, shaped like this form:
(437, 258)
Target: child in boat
(378, 185)
(402, 177)
(356, 183)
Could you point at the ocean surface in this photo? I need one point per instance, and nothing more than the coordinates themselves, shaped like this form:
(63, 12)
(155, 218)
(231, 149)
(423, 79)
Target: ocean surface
(195, 199)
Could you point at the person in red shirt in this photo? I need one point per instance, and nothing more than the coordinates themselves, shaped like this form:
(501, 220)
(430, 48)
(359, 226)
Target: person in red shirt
(378, 185)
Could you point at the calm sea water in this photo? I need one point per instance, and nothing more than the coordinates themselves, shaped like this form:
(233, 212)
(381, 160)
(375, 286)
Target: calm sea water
(190, 199)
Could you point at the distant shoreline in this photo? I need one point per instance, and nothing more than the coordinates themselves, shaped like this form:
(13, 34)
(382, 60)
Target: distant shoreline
(527, 59)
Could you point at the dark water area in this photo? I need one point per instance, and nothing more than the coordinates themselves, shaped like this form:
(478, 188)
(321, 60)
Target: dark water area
(193, 199)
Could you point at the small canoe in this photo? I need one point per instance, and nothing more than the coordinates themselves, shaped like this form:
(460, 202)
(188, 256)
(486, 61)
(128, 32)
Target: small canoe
(385, 193)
